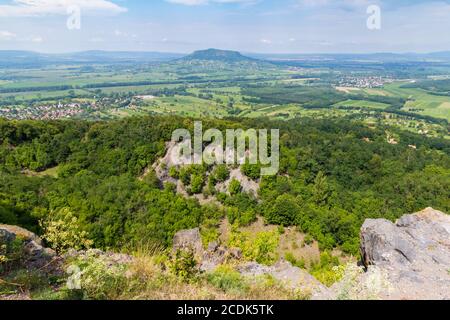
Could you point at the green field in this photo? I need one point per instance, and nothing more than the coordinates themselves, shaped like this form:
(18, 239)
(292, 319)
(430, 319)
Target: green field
(420, 101)
(361, 104)
(214, 90)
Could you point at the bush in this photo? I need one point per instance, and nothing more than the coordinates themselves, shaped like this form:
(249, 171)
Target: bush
(185, 175)
(260, 247)
(11, 255)
(183, 265)
(228, 280)
(251, 171)
(197, 183)
(100, 279)
(308, 240)
(221, 173)
(63, 231)
(296, 263)
(170, 187)
(173, 173)
(240, 218)
(328, 270)
(235, 187)
(28, 280)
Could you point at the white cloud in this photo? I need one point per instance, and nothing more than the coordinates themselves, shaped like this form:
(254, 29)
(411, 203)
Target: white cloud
(96, 40)
(119, 33)
(37, 39)
(346, 4)
(203, 2)
(6, 35)
(122, 34)
(28, 8)
(189, 2)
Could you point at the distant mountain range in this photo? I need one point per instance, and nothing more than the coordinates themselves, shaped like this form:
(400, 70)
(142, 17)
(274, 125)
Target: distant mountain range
(369, 57)
(34, 59)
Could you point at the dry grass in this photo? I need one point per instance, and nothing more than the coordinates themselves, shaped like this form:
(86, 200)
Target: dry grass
(150, 279)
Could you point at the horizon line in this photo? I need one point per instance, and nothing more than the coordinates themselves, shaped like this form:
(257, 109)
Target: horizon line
(231, 50)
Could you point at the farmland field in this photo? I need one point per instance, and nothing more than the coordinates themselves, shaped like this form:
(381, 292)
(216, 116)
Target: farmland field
(419, 100)
(219, 89)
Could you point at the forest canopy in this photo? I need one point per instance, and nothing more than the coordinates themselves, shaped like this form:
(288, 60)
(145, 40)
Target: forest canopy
(334, 174)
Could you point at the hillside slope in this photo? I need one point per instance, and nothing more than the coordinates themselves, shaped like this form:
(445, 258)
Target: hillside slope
(408, 260)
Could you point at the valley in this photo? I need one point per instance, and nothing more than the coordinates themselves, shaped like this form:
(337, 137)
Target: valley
(219, 84)
(84, 144)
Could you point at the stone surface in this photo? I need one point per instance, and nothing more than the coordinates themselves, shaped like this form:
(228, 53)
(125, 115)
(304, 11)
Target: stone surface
(35, 256)
(189, 240)
(217, 255)
(286, 273)
(111, 258)
(9, 233)
(413, 255)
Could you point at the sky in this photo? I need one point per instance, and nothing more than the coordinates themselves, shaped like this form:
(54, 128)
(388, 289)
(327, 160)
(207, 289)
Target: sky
(257, 26)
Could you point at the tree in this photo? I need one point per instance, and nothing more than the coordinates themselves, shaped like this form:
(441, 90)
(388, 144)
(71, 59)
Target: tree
(321, 189)
(284, 211)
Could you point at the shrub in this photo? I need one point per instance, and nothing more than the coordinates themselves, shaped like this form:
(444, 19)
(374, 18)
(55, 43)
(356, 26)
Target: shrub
(251, 171)
(185, 175)
(235, 187)
(240, 218)
(173, 173)
(11, 254)
(308, 240)
(228, 280)
(170, 187)
(100, 279)
(197, 183)
(211, 189)
(221, 173)
(183, 265)
(63, 231)
(260, 247)
(28, 280)
(328, 270)
(296, 263)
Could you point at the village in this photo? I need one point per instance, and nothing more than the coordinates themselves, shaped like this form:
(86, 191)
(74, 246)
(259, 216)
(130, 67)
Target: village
(365, 82)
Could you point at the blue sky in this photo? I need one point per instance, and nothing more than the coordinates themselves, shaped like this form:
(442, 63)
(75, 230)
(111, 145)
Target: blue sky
(271, 26)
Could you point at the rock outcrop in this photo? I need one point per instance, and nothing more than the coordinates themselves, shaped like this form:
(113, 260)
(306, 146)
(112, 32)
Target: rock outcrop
(216, 255)
(413, 254)
(189, 240)
(33, 253)
(287, 274)
(406, 260)
(173, 158)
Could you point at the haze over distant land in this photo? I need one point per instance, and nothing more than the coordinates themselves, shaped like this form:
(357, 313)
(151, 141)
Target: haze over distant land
(9, 58)
(265, 26)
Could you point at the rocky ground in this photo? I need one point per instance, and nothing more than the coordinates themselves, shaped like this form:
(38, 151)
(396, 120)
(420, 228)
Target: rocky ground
(406, 260)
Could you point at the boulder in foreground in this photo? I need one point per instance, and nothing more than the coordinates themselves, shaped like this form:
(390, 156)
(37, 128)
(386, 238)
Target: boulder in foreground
(412, 255)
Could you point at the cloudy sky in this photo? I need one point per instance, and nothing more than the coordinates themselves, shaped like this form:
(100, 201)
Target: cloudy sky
(275, 26)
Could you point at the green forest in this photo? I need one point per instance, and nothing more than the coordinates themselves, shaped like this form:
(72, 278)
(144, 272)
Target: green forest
(334, 174)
